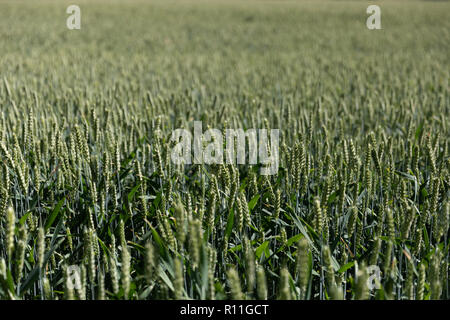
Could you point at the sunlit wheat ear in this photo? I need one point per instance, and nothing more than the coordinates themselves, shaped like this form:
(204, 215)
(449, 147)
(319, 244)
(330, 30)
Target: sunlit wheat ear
(443, 221)
(3, 200)
(245, 208)
(211, 273)
(285, 290)
(277, 205)
(283, 237)
(180, 216)
(195, 241)
(40, 247)
(125, 274)
(69, 238)
(295, 166)
(390, 224)
(239, 215)
(20, 252)
(47, 289)
(430, 153)
(329, 275)
(101, 293)
(3, 269)
(249, 256)
(151, 261)
(409, 285)
(68, 285)
(226, 178)
(211, 211)
(408, 222)
(443, 274)
(158, 161)
(351, 225)
(434, 275)
(387, 264)
(261, 283)
(271, 198)
(318, 217)
(303, 264)
(375, 251)
(234, 284)
(91, 255)
(114, 275)
(169, 233)
(253, 184)
(81, 290)
(234, 187)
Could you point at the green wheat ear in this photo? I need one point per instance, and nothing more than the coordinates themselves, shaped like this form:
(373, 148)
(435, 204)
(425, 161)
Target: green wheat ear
(211, 273)
(249, 256)
(421, 282)
(329, 267)
(20, 252)
(178, 280)
(40, 247)
(10, 229)
(261, 283)
(151, 261)
(126, 269)
(68, 289)
(3, 269)
(285, 290)
(303, 265)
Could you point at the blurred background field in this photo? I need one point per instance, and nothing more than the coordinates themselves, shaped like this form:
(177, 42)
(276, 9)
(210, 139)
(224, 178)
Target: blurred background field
(253, 45)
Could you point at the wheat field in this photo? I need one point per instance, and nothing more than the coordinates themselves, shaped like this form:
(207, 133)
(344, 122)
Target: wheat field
(86, 177)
